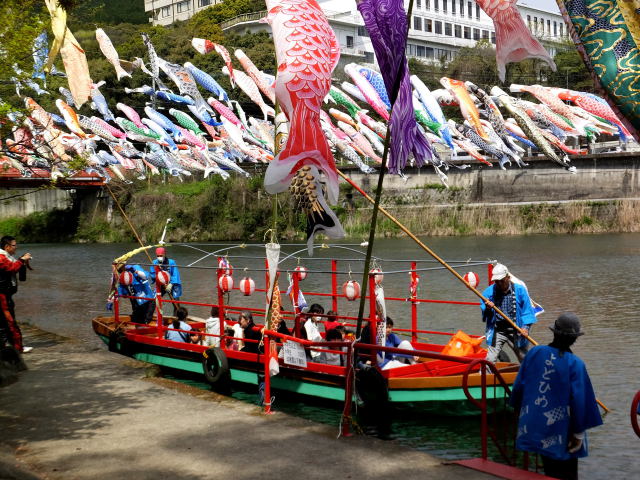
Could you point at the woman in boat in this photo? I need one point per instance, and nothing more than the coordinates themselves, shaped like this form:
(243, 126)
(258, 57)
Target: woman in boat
(250, 333)
(310, 330)
(142, 308)
(180, 328)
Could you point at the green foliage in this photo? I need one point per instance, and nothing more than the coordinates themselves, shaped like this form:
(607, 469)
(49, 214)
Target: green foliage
(41, 227)
(113, 12)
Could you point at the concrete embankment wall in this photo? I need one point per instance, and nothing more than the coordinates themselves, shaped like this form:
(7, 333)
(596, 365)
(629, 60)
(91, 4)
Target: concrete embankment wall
(20, 202)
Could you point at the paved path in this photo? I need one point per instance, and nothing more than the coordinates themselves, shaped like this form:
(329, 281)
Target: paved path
(82, 413)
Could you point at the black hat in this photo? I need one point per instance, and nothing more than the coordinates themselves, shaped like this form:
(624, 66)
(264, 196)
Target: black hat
(567, 324)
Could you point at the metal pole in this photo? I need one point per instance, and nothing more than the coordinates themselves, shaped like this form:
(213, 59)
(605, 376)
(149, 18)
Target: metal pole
(334, 285)
(414, 306)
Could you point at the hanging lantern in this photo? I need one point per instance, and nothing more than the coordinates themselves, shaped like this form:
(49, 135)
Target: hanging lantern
(378, 276)
(225, 267)
(301, 272)
(126, 278)
(351, 290)
(247, 286)
(225, 283)
(472, 279)
(413, 284)
(163, 277)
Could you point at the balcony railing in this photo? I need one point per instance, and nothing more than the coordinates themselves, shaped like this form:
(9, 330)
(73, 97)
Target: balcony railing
(244, 18)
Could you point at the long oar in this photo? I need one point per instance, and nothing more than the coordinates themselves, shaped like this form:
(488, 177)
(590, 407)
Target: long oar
(445, 264)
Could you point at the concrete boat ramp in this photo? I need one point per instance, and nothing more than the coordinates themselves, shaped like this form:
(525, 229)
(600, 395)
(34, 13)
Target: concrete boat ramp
(80, 412)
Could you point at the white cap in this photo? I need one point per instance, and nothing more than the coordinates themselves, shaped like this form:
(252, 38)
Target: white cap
(499, 272)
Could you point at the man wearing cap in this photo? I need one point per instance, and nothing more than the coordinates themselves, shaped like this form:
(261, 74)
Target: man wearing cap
(174, 287)
(556, 401)
(513, 299)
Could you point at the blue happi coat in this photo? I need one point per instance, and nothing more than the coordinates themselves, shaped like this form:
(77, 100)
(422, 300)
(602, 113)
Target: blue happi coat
(174, 275)
(140, 286)
(525, 315)
(556, 400)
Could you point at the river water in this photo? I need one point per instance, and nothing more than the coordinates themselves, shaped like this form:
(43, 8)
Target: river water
(592, 275)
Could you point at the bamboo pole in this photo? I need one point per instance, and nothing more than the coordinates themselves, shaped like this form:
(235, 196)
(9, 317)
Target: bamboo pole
(445, 265)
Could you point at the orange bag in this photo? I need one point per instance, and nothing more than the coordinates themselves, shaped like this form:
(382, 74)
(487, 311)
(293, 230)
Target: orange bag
(461, 345)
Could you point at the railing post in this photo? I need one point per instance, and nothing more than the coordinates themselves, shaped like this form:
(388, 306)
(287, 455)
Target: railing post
(159, 321)
(334, 285)
(296, 307)
(373, 323)
(267, 375)
(348, 393)
(489, 273)
(483, 420)
(220, 296)
(414, 305)
(116, 306)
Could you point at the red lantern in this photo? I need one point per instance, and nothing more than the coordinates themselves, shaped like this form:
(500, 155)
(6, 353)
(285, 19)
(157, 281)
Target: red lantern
(377, 275)
(162, 278)
(126, 278)
(472, 279)
(225, 267)
(247, 286)
(301, 272)
(225, 283)
(351, 290)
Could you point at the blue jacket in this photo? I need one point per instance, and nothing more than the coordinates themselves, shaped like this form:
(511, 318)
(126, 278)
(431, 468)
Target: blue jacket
(556, 399)
(525, 315)
(174, 275)
(392, 340)
(139, 288)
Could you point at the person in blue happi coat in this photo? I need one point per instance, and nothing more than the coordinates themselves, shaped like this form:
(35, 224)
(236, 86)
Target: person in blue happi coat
(142, 309)
(174, 287)
(513, 299)
(556, 401)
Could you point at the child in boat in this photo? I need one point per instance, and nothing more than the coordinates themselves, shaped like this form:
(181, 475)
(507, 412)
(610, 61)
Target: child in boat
(229, 342)
(212, 328)
(180, 329)
(333, 335)
(332, 321)
(391, 360)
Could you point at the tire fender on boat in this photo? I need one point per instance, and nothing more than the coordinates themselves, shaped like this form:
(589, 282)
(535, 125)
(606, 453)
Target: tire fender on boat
(215, 365)
(372, 387)
(119, 343)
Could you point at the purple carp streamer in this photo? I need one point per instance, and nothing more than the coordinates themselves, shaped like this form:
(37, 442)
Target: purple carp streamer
(386, 22)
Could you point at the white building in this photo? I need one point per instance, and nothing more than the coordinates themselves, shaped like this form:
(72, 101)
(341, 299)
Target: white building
(438, 28)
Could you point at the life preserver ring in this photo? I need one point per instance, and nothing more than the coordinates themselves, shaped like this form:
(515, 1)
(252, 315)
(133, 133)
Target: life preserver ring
(215, 366)
(372, 388)
(634, 413)
(119, 343)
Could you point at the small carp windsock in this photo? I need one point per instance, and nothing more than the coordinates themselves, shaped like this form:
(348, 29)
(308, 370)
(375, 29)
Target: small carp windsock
(109, 51)
(514, 41)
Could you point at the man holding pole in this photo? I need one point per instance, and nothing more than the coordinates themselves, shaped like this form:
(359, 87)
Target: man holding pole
(512, 299)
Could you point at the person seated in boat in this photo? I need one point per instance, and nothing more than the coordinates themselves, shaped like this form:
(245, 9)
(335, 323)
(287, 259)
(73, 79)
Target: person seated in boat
(310, 330)
(391, 360)
(331, 321)
(513, 300)
(212, 328)
(180, 328)
(250, 332)
(174, 287)
(333, 335)
(230, 343)
(143, 307)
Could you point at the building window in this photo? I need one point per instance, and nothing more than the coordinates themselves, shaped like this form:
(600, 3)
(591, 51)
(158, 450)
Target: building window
(204, 3)
(453, 7)
(461, 8)
(561, 29)
(457, 31)
(444, 6)
(417, 23)
(427, 4)
(485, 34)
(362, 31)
(349, 41)
(428, 52)
(442, 54)
(418, 4)
(447, 29)
(369, 57)
(428, 25)
(420, 51)
(183, 6)
(411, 49)
(493, 37)
(165, 11)
(555, 28)
(529, 21)
(469, 9)
(549, 27)
(477, 12)
(436, 5)
(476, 34)
(438, 28)
(467, 33)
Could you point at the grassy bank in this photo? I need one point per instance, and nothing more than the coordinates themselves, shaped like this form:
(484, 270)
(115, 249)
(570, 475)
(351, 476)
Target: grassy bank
(239, 209)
